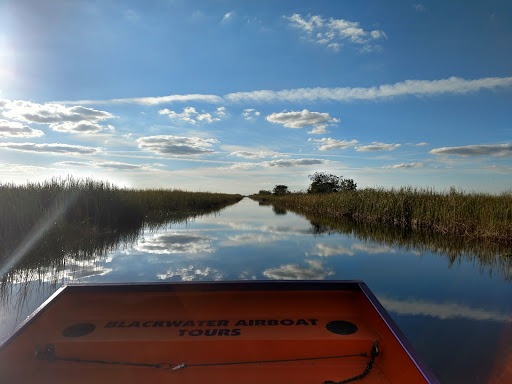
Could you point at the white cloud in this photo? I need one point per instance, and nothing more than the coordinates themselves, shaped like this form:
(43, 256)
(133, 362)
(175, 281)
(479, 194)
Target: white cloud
(52, 113)
(78, 127)
(176, 145)
(408, 165)
(221, 111)
(54, 149)
(499, 168)
(213, 99)
(333, 32)
(173, 243)
(327, 144)
(326, 250)
(376, 146)
(372, 249)
(190, 115)
(475, 150)
(255, 154)
(291, 163)
(191, 273)
(15, 129)
(250, 113)
(61, 118)
(227, 17)
(300, 119)
(106, 164)
(419, 7)
(419, 88)
(131, 16)
(422, 144)
(320, 129)
(315, 271)
(441, 310)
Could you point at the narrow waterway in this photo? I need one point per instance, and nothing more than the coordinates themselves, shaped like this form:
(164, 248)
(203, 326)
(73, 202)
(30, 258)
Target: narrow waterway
(456, 311)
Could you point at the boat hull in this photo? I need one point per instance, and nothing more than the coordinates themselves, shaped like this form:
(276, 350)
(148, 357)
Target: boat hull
(251, 332)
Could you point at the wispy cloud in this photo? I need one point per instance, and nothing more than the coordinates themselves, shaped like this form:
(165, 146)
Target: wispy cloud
(190, 115)
(333, 33)
(475, 150)
(419, 7)
(176, 145)
(376, 146)
(107, 165)
(255, 154)
(78, 127)
(442, 311)
(15, 129)
(326, 250)
(407, 165)
(327, 143)
(52, 113)
(172, 243)
(291, 163)
(191, 273)
(300, 119)
(315, 271)
(372, 249)
(417, 88)
(213, 99)
(228, 17)
(60, 118)
(499, 168)
(54, 149)
(250, 113)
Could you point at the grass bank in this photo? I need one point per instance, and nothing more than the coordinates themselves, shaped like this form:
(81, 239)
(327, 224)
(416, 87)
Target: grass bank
(472, 215)
(85, 209)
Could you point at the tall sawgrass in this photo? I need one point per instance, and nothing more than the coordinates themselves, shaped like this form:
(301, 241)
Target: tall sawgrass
(472, 215)
(83, 209)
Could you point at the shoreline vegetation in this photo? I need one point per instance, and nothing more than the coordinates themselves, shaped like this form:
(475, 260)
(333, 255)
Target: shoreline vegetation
(82, 217)
(471, 216)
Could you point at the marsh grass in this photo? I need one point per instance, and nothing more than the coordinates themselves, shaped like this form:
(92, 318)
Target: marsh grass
(83, 216)
(468, 215)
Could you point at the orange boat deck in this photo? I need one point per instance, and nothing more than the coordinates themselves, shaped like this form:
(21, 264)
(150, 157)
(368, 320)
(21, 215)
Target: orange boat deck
(220, 332)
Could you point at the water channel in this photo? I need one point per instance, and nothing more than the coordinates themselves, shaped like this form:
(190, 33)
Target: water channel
(453, 301)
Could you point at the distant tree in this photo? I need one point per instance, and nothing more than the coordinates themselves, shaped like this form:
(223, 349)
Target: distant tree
(322, 182)
(263, 192)
(348, 185)
(280, 190)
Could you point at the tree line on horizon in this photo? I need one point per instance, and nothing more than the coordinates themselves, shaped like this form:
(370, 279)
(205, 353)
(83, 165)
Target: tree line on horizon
(321, 182)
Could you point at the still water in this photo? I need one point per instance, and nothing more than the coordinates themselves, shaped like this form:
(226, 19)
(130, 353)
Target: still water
(453, 302)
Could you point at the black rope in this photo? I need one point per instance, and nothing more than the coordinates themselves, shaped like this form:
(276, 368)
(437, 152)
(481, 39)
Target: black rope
(375, 352)
(48, 354)
(276, 361)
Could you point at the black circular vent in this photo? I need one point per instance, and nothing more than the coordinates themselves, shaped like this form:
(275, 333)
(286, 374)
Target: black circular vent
(341, 327)
(78, 330)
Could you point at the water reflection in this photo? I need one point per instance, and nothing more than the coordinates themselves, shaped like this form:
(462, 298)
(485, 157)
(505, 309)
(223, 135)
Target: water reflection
(494, 258)
(446, 295)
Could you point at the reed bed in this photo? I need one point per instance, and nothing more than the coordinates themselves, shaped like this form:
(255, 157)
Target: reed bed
(472, 215)
(85, 208)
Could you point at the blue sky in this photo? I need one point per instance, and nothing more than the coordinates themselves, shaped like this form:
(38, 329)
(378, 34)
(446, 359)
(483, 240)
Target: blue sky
(231, 96)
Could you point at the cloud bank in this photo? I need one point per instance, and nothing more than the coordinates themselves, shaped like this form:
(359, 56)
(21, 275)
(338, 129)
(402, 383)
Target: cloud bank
(475, 150)
(300, 119)
(15, 129)
(418, 88)
(176, 145)
(54, 149)
(334, 33)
